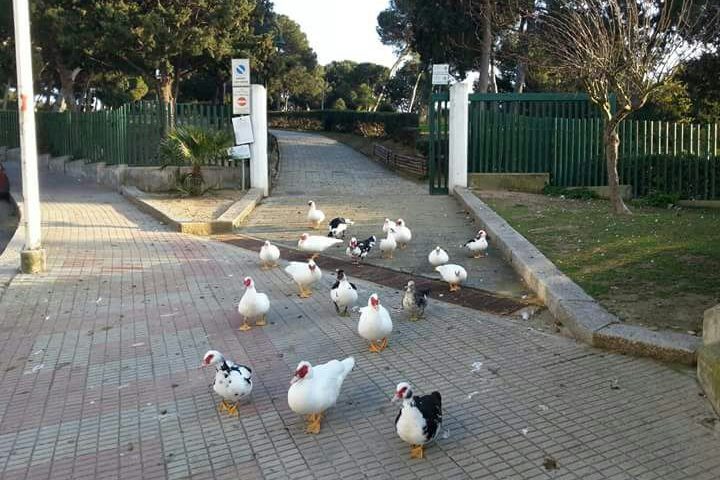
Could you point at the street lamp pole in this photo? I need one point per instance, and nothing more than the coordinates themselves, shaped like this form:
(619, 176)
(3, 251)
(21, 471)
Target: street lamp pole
(33, 255)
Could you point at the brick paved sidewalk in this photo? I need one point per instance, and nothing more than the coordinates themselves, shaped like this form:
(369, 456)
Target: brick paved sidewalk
(345, 183)
(99, 377)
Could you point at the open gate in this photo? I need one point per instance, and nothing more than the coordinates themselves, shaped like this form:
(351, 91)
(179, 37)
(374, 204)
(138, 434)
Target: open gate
(438, 161)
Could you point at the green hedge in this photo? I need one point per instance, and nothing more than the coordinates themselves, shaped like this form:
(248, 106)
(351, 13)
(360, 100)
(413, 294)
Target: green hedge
(349, 121)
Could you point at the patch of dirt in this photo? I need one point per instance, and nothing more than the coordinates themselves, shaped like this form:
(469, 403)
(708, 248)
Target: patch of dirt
(205, 208)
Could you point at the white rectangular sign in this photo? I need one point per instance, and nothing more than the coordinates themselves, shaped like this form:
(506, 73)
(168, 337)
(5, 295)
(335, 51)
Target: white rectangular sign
(241, 100)
(441, 69)
(240, 151)
(440, 79)
(243, 130)
(240, 72)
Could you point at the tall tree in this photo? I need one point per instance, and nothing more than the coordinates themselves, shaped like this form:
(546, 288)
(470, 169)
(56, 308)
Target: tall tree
(166, 41)
(625, 48)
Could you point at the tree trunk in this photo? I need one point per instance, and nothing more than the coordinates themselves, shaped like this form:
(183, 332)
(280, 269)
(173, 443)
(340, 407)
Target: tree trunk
(612, 146)
(165, 90)
(67, 87)
(394, 67)
(492, 85)
(521, 72)
(484, 67)
(414, 93)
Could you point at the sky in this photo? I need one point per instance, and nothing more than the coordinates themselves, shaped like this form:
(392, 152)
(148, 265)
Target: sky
(340, 29)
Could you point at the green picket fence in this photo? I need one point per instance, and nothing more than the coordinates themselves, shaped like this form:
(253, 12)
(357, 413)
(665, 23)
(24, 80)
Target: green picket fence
(128, 135)
(654, 156)
(9, 129)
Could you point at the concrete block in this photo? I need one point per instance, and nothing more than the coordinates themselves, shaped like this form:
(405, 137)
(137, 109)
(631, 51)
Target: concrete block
(517, 182)
(604, 191)
(583, 318)
(91, 170)
(708, 373)
(57, 164)
(44, 160)
(33, 261)
(634, 340)
(75, 169)
(711, 325)
(240, 210)
(12, 155)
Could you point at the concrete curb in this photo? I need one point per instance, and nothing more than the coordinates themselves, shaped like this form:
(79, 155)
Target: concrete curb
(232, 218)
(586, 319)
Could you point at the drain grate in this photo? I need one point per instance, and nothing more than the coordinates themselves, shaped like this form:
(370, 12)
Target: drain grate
(469, 297)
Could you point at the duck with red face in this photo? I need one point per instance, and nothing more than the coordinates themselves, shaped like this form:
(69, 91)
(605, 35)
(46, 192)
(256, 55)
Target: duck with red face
(314, 389)
(420, 418)
(232, 383)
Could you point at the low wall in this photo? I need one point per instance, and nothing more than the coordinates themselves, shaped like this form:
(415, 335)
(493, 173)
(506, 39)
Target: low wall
(516, 182)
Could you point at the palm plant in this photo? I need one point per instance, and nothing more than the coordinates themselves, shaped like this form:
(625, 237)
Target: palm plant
(196, 147)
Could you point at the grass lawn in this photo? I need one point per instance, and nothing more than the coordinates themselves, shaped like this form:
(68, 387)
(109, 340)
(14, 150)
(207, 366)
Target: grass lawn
(658, 268)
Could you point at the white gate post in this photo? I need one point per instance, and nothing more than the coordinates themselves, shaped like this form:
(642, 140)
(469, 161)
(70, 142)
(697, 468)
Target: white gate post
(259, 175)
(32, 257)
(458, 130)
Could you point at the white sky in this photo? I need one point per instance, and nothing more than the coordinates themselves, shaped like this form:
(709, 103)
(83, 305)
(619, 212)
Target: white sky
(340, 29)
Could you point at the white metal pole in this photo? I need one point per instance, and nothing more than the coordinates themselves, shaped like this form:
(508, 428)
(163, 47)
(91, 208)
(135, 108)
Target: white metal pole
(259, 174)
(28, 146)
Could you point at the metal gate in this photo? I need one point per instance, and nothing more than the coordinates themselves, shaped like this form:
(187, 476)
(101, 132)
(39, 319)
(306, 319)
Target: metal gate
(438, 148)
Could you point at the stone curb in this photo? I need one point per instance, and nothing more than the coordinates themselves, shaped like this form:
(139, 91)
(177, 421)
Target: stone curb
(232, 218)
(586, 319)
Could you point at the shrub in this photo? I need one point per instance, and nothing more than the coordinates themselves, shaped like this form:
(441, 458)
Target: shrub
(581, 193)
(393, 124)
(660, 199)
(370, 129)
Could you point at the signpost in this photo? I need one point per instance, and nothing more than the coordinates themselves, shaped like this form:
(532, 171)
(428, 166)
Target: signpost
(441, 74)
(240, 72)
(241, 100)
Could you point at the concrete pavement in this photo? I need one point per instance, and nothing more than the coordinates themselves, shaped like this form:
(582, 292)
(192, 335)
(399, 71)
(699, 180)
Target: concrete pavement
(345, 183)
(99, 377)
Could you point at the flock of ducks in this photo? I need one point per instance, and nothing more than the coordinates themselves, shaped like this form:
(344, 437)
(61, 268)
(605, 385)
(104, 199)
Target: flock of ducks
(314, 389)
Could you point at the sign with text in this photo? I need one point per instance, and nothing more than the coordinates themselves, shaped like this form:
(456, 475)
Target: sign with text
(243, 130)
(239, 151)
(240, 72)
(241, 100)
(441, 74)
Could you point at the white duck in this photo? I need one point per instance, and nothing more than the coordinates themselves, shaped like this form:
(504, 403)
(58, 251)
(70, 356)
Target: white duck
(269, 255)
(232, 381)
(388, 245)
(438, 257)
(253, 305)
(452, 274)
(403, 235)
(353, 250)
(387, 225)
(343, 294)
(420, 418)
(316, 244)
(315, 389)
(315, 216)
(304, 275)
(478, 245)
(375, 324)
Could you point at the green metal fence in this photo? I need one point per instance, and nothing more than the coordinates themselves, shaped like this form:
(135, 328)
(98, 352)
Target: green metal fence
(530, 134)
(9, 129)
(129, 134)
(438, 148)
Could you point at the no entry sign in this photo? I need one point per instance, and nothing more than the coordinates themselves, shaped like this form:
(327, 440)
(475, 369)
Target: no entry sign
(241, 100)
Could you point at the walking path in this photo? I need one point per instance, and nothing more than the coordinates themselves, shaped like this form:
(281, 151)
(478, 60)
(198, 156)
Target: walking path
(99, 375)
(345, 183)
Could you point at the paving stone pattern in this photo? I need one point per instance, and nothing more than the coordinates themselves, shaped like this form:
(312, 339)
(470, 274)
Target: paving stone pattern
(99, 375)
(345, 183)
